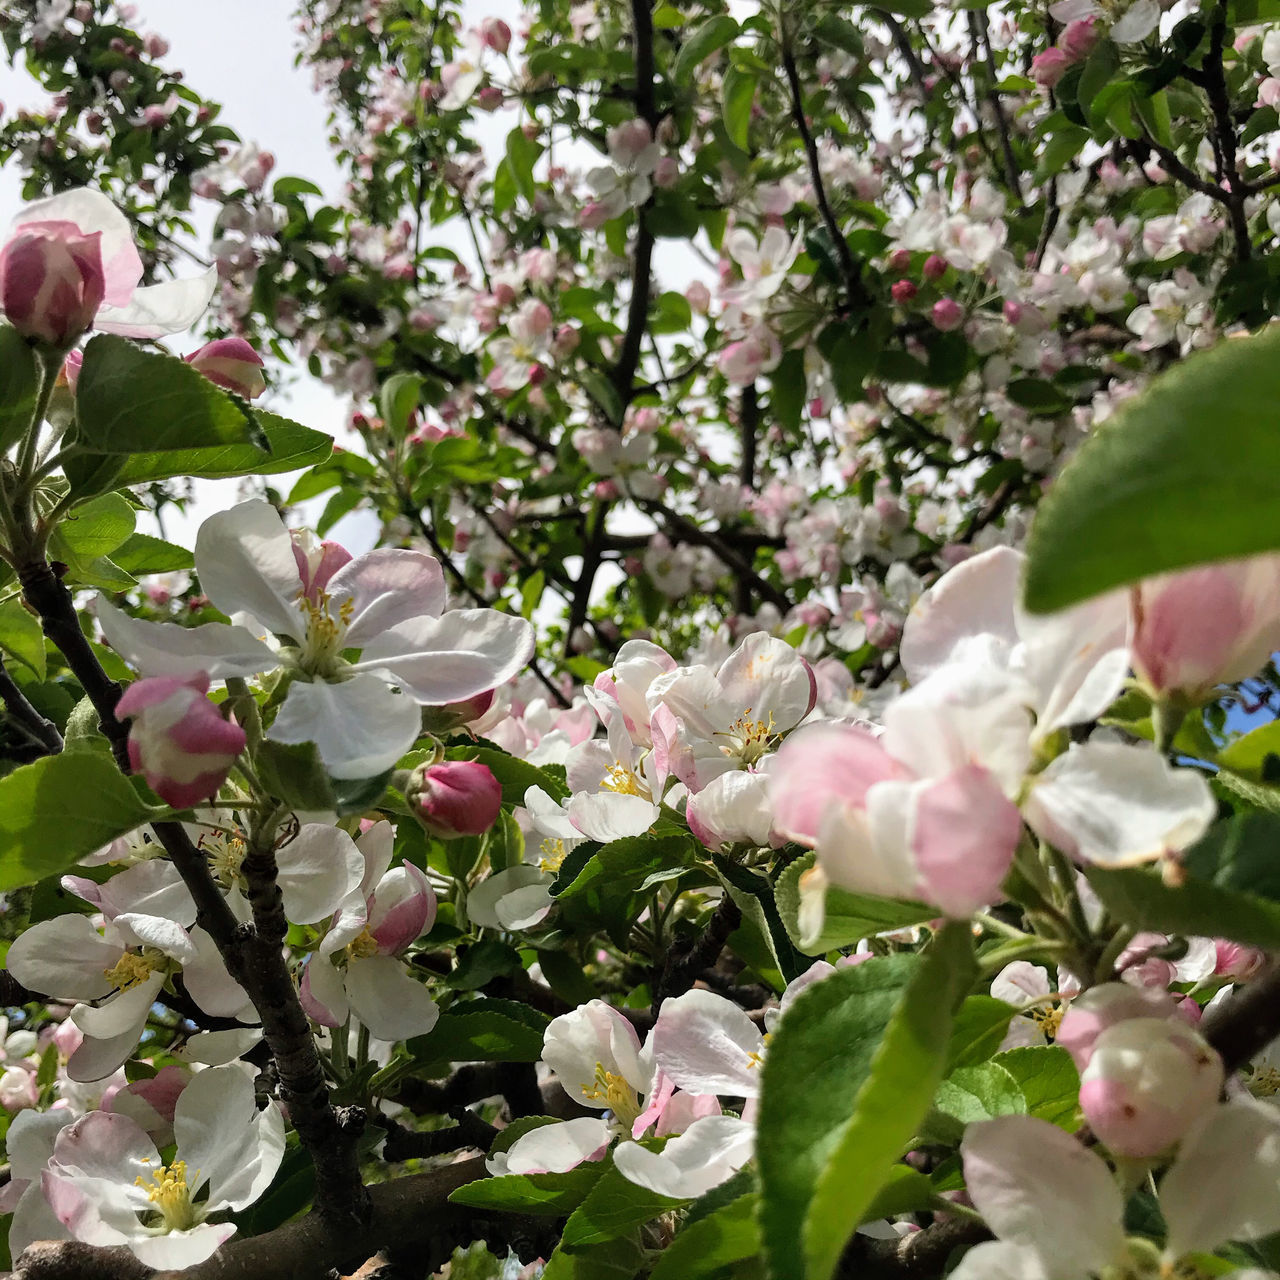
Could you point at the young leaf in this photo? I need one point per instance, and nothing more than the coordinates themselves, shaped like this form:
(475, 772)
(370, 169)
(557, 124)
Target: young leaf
(1152, 489)
(709, 36)
(826, 1149)
(19, 384)
(57, 810)
(553, 1194)
(613, 1206)
(706, 1247)
(130, 400)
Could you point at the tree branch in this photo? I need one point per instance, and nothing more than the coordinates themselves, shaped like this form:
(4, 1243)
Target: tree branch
(26, 717)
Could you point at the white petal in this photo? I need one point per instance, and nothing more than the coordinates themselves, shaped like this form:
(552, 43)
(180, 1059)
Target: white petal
(360, 726)
(319, 867)
(977, 597)
(490, 903)
(221, 1134)
(152, 888)
(324, 993)
(158, 309)
(996, 1260)
(706, 1044)
(557, 1148)
(453, 657)
(767, 680)
(30, 1138)
(209, 983)
(246, 564)
(153, 931)
(64, 957)
(610, 815)
(166, 649)
(393, 1005)
(1138, 23)
(1225, 1183)
(1118, 805)
(177, 1250)
(1038, 1187)
(214, 1048)
(386, 587)
(708, 1153)
(123, 1011)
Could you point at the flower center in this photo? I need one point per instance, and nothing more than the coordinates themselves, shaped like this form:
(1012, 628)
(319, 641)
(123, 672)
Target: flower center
(363, 946)
(553, 855)
(225, 854)
(624, 782)
(617, 1095)
(1264, 1082)
(132, 968)
(748, 739)
(1048, 1020)
(170, 1195)
(756, 1057)
(321, 654)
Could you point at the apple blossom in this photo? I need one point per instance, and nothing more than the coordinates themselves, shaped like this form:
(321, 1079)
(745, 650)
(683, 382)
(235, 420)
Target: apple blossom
(178, 740)
(107, 1184)
(230, 363)
(362, 715)
(455, 797)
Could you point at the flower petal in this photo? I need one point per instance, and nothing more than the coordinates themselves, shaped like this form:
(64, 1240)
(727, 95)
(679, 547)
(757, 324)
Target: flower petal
(386, 587)
(710, 1151)
(63, 957)
(554, 1148)
(318, 868)
(707, 1044)
(453, 657)
(165, 649)
(393, 1005)
(360, 726)
(158, 309)
(1038, 1187)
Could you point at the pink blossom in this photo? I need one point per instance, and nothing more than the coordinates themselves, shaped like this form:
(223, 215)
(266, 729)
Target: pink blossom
(455, 797)
(51, 281)
(947, 314)
(495, 35)
(1079, 38)
(179, 741)
(230, 363)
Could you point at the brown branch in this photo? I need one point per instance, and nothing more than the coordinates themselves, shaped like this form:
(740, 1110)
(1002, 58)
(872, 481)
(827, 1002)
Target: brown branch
(748, 435)
(413, 1144)
(1243, 1026)
(980, 34)
(41, 731)
(686, 962)
(255, 961)
(855, 290)
(1225, 134)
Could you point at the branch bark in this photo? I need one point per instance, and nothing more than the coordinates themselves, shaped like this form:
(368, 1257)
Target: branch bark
(26, 717)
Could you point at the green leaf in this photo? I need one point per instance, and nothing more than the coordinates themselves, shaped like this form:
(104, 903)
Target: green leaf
(848, 917)
(820, 1167)
(706, 1247)
(21, 636)
(969, 1095)
(522, 155)
(755, 898)
(88, 535)
(516, 775)
(739, 93)
(602, 891)
(553, 1194)
(1049, 1082)
(604, 393)
(979, 1027)
(131, 400)
(613, 1260)
(397, 400)
(140, 553)
(709, 36)
(1152, 489)
(293, 773)
(1255, 756)
(612, 1207)
(485, 1030)
(19, 386)
(1231, 889)
(1041, 398)
(57, 810)
(908, 8)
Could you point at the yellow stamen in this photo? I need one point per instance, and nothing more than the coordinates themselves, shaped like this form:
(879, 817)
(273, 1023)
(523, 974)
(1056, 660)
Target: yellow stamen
(756, 1057)
(1048, 1020)
(1264, 1082)
(553, 855)
(171, 1195)
(748, 739)
(617, 1095)
(225, 855)
(364, 946)
(623, 781)
(130, 970)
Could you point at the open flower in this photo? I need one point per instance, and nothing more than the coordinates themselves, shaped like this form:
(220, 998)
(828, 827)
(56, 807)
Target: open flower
(362, 714)
(107, 1184)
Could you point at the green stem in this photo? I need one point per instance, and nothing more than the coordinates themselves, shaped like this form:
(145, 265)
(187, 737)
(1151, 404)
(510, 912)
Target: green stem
(1044, 948)
(48, 378)
(1105, 969)
(1167, 720)
(992, 925)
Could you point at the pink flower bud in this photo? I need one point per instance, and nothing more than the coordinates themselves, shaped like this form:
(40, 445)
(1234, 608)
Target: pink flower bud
(1078, 38)
(178, 741)
(1103, 1007)
(51, 281)
(18, 1089)
(698, 296)
(903, 291)
(1048, 68)
(947, 314)
(566, 340)
(1148, 1081)
(1206, 626)
(455, 797)
(900, 260)
(935, 267)
(230, 363)
(495, 34)
(666, 173)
